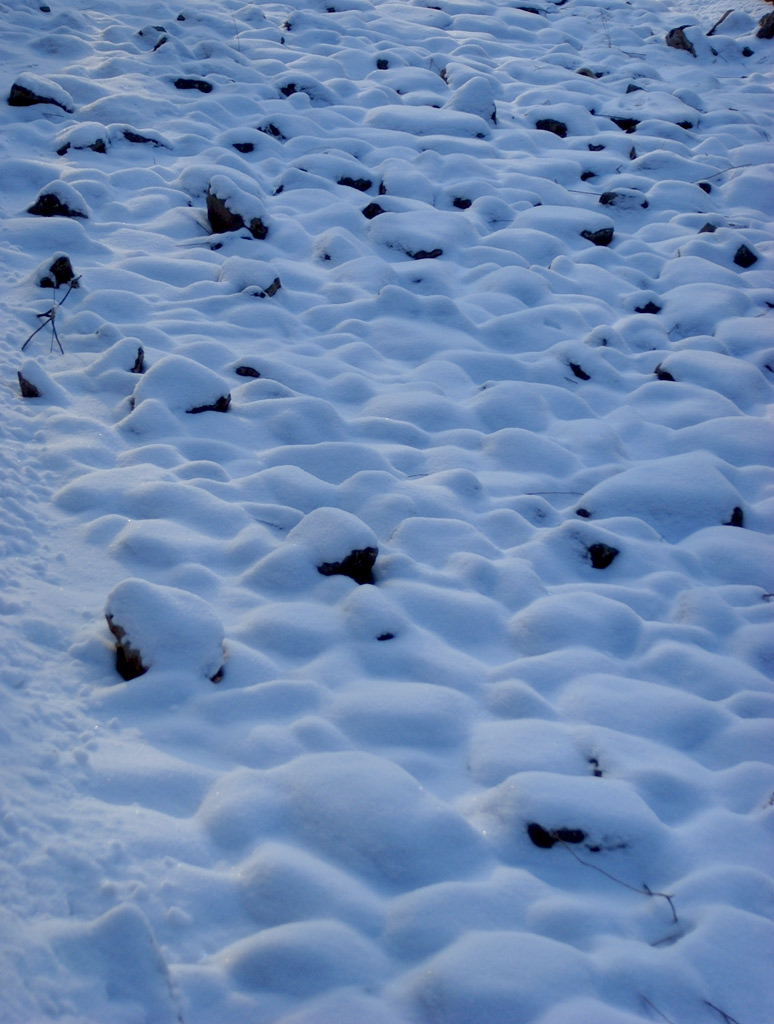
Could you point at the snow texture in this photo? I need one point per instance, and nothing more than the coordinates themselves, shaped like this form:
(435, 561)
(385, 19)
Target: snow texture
(413, 429)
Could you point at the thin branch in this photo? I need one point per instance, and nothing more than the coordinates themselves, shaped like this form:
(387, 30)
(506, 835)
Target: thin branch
(644, 890)
(649, 1004)
(728, 1019)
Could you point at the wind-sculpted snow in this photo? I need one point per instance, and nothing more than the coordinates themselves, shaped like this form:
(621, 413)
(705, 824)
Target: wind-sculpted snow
(388, 581)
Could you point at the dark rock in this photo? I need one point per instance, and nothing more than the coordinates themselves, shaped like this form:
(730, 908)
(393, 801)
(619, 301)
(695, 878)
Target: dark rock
(765, 29)
(425, 254)
(461, 204)
(192, 83)
(549, 124)
(59, 272)
(686, 126)
(604, 236)
(49, 205)
(382, 189)
(289, 89)
(259, 230)
(588, 73)
(587, 176)
(708, 229)
(21, 96)
(141, 140)
(632, 153)
(546, 838)
(244, 147)
(220, 217)
(626, 124)
(358, 565)
(597, 771)
(273, 130)
(386, 636)
(583, 513)
(649, 307)
(128, 661)
(602, 555)
(28, 389)
(361, 184)
(678, 40)
(747, 52)
(633, 88)
(737, 518)
(220, 405)
(272, 290)
(595, 147)
(579, 372)
(705, 187)
(372, 210)
(744, 257)
(246, 371)
(139, 363)
(663, 374)
(382, 64)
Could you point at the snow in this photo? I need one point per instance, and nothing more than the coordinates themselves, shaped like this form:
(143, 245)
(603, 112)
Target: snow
(438, 514)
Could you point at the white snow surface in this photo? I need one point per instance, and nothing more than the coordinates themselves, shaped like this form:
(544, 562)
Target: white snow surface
(526, 772)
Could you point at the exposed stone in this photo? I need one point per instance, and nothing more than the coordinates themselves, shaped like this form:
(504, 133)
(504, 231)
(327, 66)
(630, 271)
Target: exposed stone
(583, 513)
(744, 257)
(192, 83)
(128, 660)
(28, 389)
(550, 124)
(246, 371)
(50, 205)
(382, 64)
(358, 565)
(546, 838)
(220, 217)
(425, 254)
(737, 517)
(663, 374)
(272, 290)
(604, 236)
(678, 40)
(273, 130)
(602, 555)
(21, 96)
(461, 204)
(243, 147)
(708, 229)
(59, 272)
(579, 372)
(221, 404)
(766, 28)
(139, 363)
(372, 210)
(649, 307)
(626, 124)
(361, 184)
(139, 139)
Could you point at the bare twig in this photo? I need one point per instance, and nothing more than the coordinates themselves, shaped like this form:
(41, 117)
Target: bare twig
(727, 1018)
(49, 317)
(646, 1002)
(644, 889)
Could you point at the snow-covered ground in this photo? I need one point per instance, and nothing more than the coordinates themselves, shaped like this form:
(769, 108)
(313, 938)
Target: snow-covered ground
(490, 301)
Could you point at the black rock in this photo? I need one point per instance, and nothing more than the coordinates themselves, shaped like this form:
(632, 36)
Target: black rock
(744, 257)
(678, 40)
(259, 230)
(49, 205)
(461, 204)
(386, 636)
(626, 124)
(604, 236)
(549, 124)
(28, 389)
(59, 272)
(273, 130)
(372, 210)
(545, 838)
(221, 218)
(243, 147)
(737, 518)
(358, 565)
(361, 184)
(649, 307)
(663, 374)
(382, 64)
(139, 362)
(765, 29)
(579, 372)
(141, 140)
(246, 371)
(587, 176)
(583, 513)
(192, 83)
(595, 147)
(425, 254)
(708, 229)
(21, 96)
(602, 555)
(220, 405)
(289, 89)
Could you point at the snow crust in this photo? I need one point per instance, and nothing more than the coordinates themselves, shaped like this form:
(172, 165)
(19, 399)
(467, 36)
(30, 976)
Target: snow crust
(509, 329)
